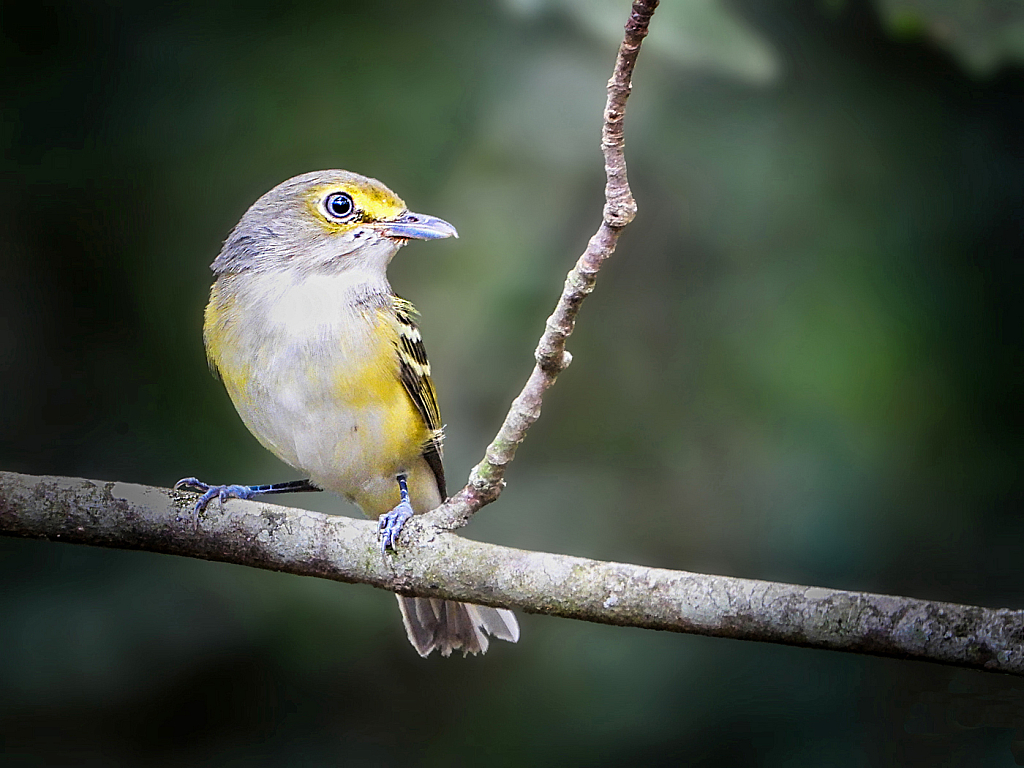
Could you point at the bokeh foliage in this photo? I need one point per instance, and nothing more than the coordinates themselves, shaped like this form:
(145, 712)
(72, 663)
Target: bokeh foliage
(803, 364)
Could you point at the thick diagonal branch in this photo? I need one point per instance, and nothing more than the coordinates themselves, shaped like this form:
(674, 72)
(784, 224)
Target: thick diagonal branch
(488, 477)
(445, 565)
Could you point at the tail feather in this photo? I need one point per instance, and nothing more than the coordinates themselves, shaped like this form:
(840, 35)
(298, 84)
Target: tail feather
(449, 626)
(498, 621)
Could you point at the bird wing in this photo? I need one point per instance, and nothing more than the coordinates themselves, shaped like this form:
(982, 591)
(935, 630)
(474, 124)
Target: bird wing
(414, 370)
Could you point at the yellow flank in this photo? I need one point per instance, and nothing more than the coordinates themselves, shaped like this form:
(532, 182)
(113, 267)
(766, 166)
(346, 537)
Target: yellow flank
(376, 383)
(217, 325)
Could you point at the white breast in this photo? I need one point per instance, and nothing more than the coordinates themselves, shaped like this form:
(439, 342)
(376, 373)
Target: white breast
(301, 334)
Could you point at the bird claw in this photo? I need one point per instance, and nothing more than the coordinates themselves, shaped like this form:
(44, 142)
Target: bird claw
(209, 492)
(191, 484)
(389, 526)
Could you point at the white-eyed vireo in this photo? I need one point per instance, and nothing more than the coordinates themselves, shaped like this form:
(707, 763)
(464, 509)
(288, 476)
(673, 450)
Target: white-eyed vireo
(327, 369)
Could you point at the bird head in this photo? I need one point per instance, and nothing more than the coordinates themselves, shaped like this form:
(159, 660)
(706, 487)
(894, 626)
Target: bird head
(325, 221)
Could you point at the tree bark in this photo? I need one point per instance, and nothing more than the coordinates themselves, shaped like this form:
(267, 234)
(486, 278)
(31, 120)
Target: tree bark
(435, 563)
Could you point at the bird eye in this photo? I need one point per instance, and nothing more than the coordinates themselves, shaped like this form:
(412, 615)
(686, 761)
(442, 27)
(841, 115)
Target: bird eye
(339, 205)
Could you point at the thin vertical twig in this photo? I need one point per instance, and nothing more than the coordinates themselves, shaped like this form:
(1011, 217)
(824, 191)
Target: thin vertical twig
(488, 477)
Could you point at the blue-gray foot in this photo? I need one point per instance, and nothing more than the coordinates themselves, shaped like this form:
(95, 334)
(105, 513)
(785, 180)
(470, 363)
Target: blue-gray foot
(225, 492)
(389, 525)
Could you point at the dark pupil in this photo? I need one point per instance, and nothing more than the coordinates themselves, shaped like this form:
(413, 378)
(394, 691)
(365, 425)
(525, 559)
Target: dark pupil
(339, 205)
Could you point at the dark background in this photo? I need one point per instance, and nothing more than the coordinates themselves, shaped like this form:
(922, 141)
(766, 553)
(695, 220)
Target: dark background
(803, 364)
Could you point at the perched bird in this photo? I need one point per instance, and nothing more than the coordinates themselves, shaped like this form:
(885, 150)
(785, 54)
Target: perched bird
(326, 367)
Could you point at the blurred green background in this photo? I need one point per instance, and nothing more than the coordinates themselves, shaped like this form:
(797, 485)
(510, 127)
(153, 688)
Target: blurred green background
(802, 364)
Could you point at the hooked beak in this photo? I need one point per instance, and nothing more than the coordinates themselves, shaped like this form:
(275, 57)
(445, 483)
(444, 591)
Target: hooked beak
(417, 226)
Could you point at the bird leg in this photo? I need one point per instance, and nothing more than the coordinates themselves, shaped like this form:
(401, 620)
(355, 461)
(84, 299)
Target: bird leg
(389, 525)
(225, 492)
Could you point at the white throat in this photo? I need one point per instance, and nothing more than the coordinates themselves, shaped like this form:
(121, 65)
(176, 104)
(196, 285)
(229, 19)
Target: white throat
(308, 305)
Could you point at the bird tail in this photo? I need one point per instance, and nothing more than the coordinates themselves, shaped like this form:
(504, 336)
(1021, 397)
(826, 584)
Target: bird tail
(448, 626)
